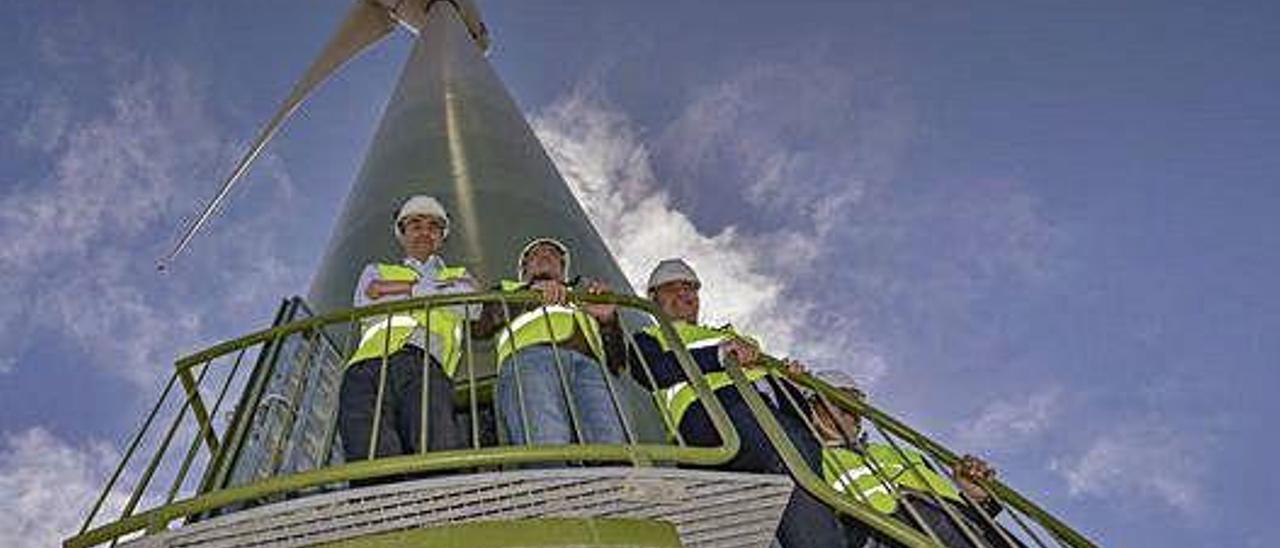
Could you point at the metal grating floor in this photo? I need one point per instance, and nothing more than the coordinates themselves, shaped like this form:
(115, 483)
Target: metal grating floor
(709, 509)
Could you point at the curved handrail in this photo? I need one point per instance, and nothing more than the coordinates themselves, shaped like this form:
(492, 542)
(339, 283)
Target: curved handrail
(157, 518)
(808, 480)
(154, 520)
(814, 484)
(212, 496)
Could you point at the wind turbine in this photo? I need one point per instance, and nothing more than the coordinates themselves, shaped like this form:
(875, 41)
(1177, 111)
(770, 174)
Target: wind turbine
(450, 130)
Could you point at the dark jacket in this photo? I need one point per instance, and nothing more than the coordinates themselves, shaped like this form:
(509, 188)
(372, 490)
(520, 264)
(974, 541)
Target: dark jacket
(666, 371)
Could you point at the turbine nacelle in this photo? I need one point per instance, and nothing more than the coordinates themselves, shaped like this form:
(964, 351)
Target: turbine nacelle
(412, 14)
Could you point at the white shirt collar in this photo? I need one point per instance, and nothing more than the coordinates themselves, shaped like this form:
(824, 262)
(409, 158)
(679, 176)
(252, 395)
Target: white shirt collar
(432, 263)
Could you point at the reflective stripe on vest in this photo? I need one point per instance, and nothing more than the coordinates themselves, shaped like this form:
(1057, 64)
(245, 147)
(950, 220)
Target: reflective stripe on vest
(676, 399)
(693, 336)
(850, 473)
(545, 325)
(384, 335)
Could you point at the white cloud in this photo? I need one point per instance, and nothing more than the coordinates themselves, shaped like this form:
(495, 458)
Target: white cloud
(813, 149)
(47, 486)
(778, 184)
(8, 364)
(80, 244)
(1139, 461)
(607, 166)
(798, 143)
(608, 169)
(1005, 423)
(782, 183)
(115, 176)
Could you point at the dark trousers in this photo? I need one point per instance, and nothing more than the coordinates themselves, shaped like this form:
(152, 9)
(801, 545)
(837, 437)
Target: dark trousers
(399, 430)
(806, 522)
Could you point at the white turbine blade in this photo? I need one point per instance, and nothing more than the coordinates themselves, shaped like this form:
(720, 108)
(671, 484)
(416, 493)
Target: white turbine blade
(364, 25)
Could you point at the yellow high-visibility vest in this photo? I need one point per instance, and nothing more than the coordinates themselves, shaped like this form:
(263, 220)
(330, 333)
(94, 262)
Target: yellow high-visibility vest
(868, 480)
(386, 334)
(676, 399)
(546, 324)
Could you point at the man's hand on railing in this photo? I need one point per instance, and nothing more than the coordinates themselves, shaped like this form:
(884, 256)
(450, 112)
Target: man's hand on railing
(968, 472)
(794, 366)
(553, 291)
(604, 313)
(743, 352)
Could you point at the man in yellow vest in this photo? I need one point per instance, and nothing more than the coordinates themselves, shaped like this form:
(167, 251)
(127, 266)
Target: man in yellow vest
(387, 368)
(546, 347)
(888, 476)
(674, 286)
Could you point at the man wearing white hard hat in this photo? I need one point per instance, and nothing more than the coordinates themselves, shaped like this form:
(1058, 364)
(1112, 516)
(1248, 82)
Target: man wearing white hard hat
(409, 356)
(674, 286)
(544, 348)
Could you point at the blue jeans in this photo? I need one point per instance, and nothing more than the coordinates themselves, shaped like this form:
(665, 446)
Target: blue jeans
(544, 400)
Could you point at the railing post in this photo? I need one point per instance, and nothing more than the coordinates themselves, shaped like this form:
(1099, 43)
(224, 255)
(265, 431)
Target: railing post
(344, 354)
(472, 392)
(164, 448)
(124, 459)
(213, 496)
(515, 362)
(220, 468)
(629, 340)
(376, 427)
(806, 477)
(302, 372)
(207, 425)
(574, 420)
(425, 402)
(719, 418)
(1059, 530)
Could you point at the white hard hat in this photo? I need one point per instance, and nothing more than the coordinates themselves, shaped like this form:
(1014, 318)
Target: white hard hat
(564, 253)
(840, 380)
(672, 270)
(421, 204)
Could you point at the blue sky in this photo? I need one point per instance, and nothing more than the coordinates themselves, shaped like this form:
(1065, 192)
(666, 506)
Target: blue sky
(1043, 234)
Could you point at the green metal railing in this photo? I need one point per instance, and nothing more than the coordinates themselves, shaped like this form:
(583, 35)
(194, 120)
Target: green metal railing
(303, 354)
(217, 444)
(1031, 523)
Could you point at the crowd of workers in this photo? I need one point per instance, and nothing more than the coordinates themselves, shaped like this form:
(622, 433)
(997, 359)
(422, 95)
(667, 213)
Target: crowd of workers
(555, 359)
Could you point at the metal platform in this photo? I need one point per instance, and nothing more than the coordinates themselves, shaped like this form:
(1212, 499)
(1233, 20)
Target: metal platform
(708, 509)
